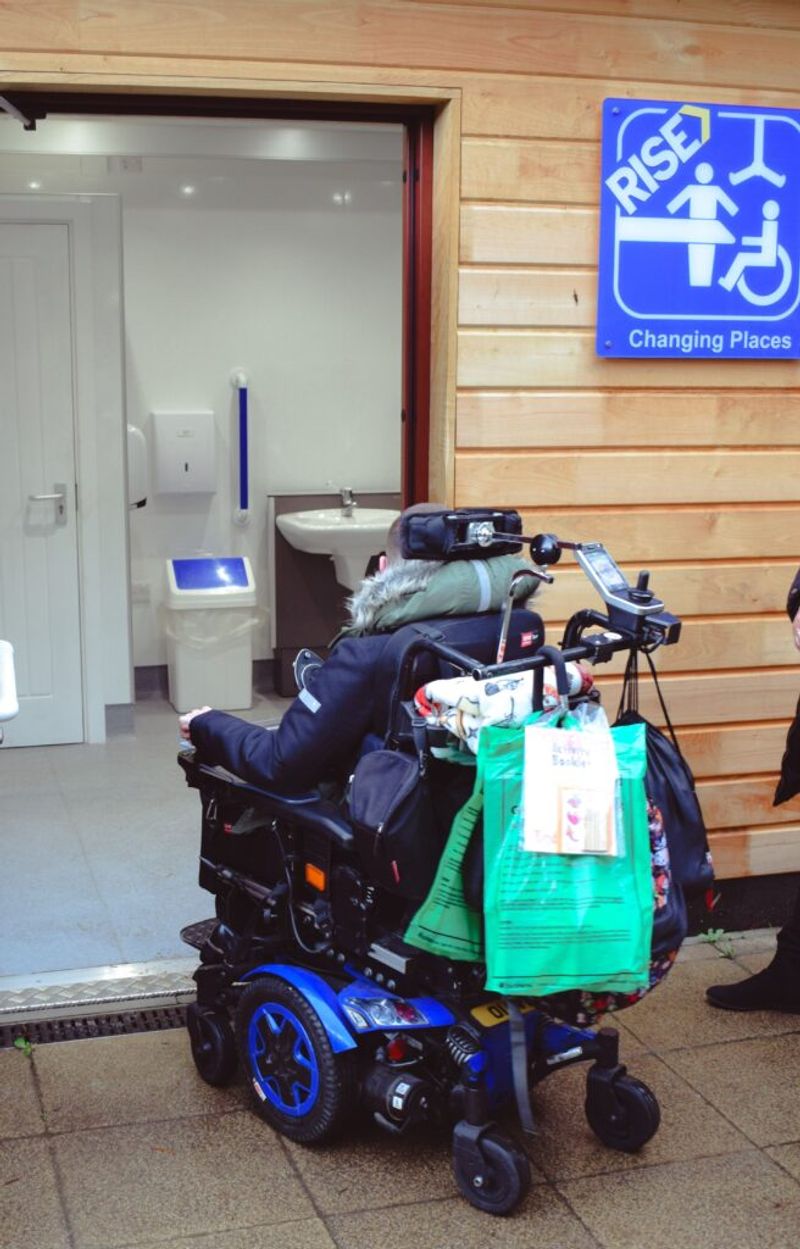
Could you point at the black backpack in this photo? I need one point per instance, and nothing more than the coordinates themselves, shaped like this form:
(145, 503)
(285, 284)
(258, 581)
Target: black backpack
(670, 785)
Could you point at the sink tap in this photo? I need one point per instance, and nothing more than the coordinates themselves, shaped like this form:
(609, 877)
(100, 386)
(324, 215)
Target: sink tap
(348, 501)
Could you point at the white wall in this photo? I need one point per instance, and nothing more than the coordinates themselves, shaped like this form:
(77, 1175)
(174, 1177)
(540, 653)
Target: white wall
(308, 303)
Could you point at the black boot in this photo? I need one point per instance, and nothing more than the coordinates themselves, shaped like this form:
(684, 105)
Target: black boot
(777, 987)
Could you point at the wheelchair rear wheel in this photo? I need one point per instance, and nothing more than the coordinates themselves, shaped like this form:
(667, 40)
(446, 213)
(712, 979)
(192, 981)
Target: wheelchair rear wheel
(300, 1085)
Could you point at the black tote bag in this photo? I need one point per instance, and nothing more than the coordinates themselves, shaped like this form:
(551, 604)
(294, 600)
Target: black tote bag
(670, 785)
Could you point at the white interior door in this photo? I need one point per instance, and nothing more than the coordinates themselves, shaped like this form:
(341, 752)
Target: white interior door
(39, 584)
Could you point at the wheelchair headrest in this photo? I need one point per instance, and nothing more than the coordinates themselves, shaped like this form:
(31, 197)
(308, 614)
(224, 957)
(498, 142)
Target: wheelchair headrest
(460, 533)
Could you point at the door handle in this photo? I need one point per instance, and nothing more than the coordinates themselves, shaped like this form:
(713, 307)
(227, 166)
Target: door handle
(60, 496)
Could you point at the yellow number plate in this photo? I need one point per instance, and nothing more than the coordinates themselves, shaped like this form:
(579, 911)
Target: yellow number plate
(489, 1014)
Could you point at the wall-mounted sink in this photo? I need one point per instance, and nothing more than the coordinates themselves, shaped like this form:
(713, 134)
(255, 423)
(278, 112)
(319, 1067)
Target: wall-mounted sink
(349, 540)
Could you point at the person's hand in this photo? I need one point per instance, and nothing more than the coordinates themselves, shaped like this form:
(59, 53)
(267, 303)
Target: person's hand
(185, 720)
(796, 630)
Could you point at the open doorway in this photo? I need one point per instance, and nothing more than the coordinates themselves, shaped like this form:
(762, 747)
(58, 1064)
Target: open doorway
(279, 249)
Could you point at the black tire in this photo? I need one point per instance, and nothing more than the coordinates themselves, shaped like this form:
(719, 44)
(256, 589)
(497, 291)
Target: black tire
(213, 1044)
(636, 1122)
(500, 1185)
(300, 1086)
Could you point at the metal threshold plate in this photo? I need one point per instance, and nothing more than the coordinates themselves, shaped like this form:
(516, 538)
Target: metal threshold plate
(91, 991)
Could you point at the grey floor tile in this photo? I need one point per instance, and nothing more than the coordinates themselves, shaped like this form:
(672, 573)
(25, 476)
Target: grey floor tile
(543, 1221)
(676, 1014)
(787, 1156)
(31, 1215)
(152, 1182)
(368, 1168)
(304, 1234)
(754, 1083)
(566, 1146)
(81, 1086)
(735, 1202)
(20, 1114)
(54, 917)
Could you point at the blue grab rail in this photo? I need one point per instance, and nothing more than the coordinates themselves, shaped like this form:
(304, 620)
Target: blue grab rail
(243, 482)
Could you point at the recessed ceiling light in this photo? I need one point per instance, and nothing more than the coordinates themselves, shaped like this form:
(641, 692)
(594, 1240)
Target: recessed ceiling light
(33, 185)
(188, 189)
(338, 198)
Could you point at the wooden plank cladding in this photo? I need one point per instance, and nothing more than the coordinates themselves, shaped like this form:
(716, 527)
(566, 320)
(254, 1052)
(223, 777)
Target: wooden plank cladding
(526, 297)
(517, 169)
(393, 33)
(689, 468)
(596, 418)
(553, 478)
(676, 533)
(491, 359)
(708, 590)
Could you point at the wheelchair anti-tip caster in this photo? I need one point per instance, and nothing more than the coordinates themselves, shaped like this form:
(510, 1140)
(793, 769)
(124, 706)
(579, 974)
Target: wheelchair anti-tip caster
(624, 1115)
(213, 1045)
(490, 1170)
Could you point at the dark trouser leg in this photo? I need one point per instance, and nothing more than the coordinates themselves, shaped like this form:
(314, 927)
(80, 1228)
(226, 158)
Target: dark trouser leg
(789, 937)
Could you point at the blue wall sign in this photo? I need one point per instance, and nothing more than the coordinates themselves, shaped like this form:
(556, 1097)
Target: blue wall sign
(699, 231)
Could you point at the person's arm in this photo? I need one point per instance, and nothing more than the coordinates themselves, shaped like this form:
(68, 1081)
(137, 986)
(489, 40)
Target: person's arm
(319, 731)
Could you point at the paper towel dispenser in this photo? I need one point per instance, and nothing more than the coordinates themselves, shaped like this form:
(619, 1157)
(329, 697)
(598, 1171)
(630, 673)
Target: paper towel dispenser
(185, 452)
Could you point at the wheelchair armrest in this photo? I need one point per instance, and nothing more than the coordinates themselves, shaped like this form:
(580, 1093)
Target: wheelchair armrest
(309, 810)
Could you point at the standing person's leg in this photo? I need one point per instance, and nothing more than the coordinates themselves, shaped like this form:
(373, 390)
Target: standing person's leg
(789, 939)
(777, 987)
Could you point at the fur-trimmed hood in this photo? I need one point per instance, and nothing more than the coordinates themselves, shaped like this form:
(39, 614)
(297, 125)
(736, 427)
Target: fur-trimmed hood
(428, 589)
(386, 589)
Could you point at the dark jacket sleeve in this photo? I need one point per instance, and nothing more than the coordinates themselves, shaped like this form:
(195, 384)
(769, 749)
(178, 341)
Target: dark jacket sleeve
(793, 601)
(320, 732)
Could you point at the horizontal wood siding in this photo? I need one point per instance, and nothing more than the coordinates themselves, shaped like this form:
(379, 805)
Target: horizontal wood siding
(689, 468)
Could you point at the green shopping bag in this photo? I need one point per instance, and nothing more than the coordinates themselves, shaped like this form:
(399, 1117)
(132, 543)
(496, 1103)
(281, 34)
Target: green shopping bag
(555, 922)
(445, 924)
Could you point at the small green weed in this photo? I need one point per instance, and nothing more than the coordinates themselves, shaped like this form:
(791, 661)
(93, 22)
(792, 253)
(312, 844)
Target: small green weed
(22, 1043)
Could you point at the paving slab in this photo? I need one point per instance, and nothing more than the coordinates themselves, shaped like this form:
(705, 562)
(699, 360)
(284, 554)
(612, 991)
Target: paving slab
(370, 1169)
(149, 1182)
(31, 1216)
(740, 1201)
(788, 1157)
(126, 1079)
(544, 1221)
(676, 1014)
(754, 1083)
(567, 1148)
(304, 1234)
(20, 1113)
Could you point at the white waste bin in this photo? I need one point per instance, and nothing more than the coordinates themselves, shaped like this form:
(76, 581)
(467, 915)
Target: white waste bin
(210, 615)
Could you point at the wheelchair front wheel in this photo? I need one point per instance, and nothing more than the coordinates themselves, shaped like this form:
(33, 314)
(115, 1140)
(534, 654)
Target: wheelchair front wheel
(300, 1085)
(632, 1123)
(213, 1046)
(498, 1185)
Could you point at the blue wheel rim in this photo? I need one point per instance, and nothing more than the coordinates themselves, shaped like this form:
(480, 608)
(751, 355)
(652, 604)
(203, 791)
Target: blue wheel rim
(283, 1060)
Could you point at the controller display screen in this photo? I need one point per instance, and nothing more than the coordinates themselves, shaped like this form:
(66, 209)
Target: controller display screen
(606, 569)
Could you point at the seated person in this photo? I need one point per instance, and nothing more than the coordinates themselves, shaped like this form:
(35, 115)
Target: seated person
(321, 733)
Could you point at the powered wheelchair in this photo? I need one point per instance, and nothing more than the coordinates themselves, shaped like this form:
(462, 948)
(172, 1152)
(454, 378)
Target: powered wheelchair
(304, 976)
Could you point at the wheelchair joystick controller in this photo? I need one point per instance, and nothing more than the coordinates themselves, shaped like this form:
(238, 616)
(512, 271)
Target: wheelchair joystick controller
(641, 593)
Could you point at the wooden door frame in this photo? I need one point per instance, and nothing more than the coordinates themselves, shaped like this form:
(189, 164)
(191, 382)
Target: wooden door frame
(431, 472)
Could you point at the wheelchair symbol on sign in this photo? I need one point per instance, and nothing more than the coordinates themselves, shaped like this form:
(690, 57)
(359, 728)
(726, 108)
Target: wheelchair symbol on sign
(703, 233)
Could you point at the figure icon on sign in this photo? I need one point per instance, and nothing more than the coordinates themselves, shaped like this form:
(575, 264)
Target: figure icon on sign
(769, 255)
(704, 199)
